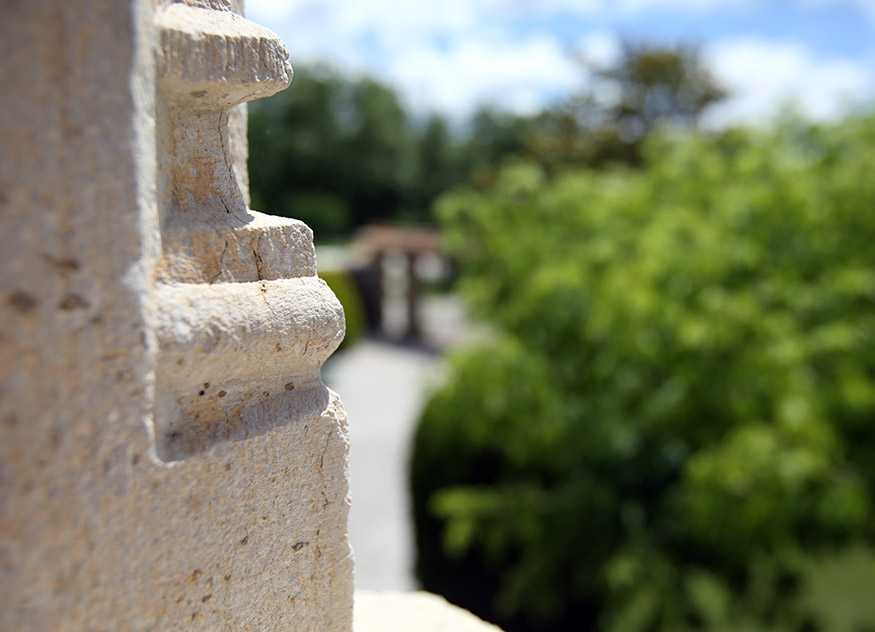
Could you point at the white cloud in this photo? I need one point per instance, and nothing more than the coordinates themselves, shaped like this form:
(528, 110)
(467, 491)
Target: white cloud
(451, 57)
(456, 55)
(350, 16)
(763, 75)
(638, 6)
(418, 16)
(600, 48)
(518, 76)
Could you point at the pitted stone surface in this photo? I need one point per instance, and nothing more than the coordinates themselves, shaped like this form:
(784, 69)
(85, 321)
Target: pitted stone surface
(259, 247)
(106, 521)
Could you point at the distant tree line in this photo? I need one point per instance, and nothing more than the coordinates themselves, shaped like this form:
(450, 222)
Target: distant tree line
(341, 152)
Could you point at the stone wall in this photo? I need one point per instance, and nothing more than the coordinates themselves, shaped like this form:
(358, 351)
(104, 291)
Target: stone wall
(169, 458)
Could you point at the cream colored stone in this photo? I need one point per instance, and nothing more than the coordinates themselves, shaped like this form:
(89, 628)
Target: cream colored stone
(257, 247)
(237, 128)
(169, 459)
(412, 612)
(239, 148)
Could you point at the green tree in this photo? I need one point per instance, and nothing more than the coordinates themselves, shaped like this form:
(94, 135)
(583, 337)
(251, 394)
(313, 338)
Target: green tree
(647, 87)
(659, 85)
(491, 138)
(334, 152)
(340, 152)
(440, 164)
(673, 429)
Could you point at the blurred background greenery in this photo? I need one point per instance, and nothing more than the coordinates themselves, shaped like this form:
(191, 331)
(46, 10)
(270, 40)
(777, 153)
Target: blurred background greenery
(671, 427)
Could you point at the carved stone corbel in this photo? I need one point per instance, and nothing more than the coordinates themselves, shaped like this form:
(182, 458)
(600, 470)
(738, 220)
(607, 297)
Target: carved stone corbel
(243, 322)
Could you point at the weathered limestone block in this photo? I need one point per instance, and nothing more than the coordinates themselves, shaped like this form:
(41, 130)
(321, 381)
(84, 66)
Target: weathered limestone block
(169, 458)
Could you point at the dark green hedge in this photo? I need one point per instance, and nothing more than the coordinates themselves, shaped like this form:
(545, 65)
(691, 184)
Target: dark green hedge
(348, 294)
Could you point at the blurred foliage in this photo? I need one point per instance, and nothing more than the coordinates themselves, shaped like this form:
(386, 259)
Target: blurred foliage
(646, 87)
(340, 152)
(348, 294)
(673, 429)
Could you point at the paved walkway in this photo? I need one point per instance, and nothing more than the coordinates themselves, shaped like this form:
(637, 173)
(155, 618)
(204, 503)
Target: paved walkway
(383, 387)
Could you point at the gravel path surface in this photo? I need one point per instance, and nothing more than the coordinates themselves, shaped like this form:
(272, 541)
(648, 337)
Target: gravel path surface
(383, 386)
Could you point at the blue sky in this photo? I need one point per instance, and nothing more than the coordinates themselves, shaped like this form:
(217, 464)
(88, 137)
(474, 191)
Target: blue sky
(453, 56)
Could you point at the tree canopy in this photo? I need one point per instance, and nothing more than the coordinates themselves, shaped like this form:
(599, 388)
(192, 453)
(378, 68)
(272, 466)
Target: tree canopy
(673, 429)
(648, 86)
(340, 152)
(331, 151)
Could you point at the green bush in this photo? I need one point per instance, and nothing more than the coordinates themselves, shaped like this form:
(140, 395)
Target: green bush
(675, 429)
(348, 294)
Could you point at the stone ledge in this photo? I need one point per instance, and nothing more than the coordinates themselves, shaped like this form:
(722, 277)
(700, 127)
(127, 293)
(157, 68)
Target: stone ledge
(412, 612)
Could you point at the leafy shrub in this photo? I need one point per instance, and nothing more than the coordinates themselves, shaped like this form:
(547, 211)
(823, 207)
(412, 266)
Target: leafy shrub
(675, 430)
(348, 294)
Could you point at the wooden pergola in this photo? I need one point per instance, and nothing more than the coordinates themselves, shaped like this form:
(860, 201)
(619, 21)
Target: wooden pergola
(375, 242)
